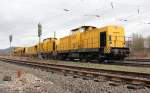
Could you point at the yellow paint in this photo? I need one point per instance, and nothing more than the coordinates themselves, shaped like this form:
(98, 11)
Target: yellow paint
(48, 45)
(81, 38)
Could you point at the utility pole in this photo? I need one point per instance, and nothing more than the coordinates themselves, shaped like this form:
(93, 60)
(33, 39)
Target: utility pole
(10, 40)
(54, 34)
(39, 35)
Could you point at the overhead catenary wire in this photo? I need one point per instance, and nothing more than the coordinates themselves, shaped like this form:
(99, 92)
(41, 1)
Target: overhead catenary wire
(112, 4)
(113, 9)
(126, 19)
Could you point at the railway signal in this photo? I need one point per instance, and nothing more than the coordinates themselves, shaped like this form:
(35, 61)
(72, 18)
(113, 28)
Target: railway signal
(39, 35)
(39, 30)
(112, 5)
(138, 11)
(10, 40)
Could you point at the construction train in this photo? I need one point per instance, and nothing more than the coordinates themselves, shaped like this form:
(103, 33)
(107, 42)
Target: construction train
(84, 43)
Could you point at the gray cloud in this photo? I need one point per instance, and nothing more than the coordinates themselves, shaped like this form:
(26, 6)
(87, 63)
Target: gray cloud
(20, 17)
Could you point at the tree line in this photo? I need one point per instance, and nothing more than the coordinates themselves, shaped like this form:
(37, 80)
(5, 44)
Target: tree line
(138, 41)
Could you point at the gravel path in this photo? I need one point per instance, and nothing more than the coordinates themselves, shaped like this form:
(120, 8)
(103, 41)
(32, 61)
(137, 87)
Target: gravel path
(37, 81)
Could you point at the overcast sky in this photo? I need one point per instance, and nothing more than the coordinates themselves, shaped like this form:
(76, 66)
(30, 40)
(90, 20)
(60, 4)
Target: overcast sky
(20, 17)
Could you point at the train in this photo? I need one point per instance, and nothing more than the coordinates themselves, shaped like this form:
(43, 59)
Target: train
(84, 43)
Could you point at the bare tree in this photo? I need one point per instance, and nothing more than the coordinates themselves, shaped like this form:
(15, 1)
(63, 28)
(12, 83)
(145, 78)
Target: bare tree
(137, 41)
(148, 42)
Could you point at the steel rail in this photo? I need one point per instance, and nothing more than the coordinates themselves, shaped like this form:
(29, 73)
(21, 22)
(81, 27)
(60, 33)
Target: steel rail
(139, 60)
(131, 63)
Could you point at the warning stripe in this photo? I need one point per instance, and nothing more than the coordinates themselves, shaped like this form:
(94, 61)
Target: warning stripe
(107, 50)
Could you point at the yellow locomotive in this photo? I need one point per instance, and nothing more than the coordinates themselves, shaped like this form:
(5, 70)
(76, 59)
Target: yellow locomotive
(90, 43)
(48, 47)
(84, 43)
(20, 51)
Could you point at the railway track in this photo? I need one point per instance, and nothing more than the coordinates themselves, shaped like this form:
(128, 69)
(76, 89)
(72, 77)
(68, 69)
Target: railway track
(139, 60)
(132, 63)
(87, 73)
(122, 63)
(127, 62)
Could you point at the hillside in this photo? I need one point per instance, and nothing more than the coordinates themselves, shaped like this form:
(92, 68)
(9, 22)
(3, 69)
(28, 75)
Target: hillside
(6, 51)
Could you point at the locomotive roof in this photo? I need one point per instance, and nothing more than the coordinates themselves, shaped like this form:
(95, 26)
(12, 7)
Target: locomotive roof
(49, 38)
(85, 27)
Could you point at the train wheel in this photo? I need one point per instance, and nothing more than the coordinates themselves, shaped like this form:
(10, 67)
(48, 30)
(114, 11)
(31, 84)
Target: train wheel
(101, 59)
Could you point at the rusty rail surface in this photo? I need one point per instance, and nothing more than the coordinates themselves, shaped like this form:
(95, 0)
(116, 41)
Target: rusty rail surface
(92, 73)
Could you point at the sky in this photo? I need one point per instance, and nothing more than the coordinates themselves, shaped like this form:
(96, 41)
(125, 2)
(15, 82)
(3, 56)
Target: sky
(20, 18)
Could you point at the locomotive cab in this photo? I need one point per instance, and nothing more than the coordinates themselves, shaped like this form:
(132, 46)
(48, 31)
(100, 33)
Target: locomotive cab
(112, 42)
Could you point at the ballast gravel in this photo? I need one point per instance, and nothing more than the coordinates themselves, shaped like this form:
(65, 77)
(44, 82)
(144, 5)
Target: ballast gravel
(30, 80)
